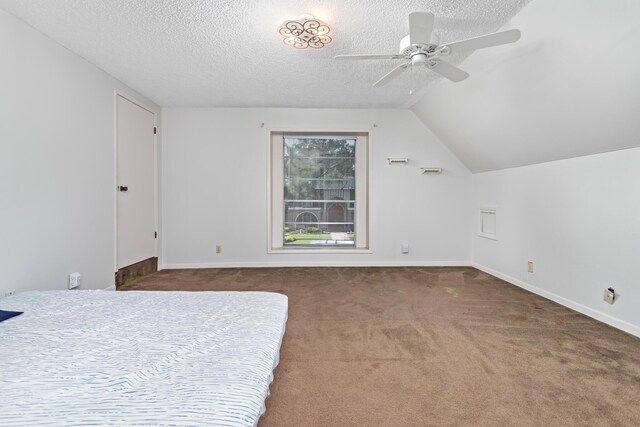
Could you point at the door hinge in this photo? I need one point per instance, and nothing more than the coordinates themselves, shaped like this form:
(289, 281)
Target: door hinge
(155, 234)
(155, 130)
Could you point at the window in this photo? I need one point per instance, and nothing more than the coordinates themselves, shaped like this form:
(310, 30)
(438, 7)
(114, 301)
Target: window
(318, 191)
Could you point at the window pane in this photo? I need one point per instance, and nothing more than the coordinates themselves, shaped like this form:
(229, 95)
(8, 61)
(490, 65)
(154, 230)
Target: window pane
(319, 190)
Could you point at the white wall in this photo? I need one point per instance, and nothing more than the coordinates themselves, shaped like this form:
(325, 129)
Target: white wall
(578, 220)
(568, 88)
(57, 179)
(215, 188)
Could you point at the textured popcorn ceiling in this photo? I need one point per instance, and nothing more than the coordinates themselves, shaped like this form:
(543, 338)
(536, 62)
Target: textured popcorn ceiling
(229, 53)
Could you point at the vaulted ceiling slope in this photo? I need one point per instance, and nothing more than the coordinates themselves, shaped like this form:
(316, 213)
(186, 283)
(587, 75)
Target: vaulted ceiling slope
(228, 53)
(570, 87)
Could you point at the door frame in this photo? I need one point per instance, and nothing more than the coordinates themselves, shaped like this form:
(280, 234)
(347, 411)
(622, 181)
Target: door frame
(119, 93)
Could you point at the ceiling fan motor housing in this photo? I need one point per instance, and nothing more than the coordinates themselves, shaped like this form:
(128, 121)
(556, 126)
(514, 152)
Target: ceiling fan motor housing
(417, 53)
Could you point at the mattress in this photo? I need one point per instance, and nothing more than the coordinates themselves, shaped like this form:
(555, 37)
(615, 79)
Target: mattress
(138, 358)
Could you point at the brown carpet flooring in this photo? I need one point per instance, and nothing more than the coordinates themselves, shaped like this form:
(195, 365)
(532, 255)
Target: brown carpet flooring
(431, 346)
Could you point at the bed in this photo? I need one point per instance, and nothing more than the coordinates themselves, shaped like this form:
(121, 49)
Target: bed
(138, 358)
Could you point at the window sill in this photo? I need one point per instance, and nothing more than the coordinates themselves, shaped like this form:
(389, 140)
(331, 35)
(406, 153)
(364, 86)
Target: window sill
(488, 236)
(318, 251)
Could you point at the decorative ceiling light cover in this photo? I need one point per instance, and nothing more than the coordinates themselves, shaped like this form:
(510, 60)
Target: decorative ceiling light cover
(304, 32)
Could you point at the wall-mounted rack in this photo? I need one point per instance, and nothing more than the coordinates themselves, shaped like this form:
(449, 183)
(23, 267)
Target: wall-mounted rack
(396, 160)
(431, 169)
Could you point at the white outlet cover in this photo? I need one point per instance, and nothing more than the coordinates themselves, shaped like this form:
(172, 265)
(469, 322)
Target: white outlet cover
(75, 279)
(609, 296)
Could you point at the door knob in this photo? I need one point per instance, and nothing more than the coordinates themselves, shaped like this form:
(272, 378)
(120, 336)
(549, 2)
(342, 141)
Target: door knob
(124, 188)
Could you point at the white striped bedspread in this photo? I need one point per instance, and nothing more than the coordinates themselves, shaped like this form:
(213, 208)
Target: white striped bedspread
(99, 358)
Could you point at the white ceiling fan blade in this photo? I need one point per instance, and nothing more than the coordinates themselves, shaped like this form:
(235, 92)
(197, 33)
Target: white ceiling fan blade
(488, 40)
(369, 56)
(449, 71)
(420, 27)
(391, 75)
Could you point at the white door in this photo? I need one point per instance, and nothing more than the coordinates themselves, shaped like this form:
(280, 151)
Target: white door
(135, 183)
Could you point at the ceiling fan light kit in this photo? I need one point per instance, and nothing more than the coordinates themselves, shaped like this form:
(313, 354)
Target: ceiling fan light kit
(417, 50)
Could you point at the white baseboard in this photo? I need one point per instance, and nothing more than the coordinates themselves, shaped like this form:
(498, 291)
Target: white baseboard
(110, 288)
(315, 264)
(587, 311)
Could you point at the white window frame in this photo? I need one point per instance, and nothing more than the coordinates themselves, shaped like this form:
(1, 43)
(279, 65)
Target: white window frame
(275, 192)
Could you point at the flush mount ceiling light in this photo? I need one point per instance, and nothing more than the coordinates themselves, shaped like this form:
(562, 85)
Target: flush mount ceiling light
(304, 32)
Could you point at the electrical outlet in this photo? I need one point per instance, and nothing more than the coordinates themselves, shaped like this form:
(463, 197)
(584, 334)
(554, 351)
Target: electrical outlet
(404, 248)
(609, 295)
(530, 266)
(218, 249)
(75, 280)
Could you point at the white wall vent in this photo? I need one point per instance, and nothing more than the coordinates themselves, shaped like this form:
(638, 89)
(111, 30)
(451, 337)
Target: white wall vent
(487, 222)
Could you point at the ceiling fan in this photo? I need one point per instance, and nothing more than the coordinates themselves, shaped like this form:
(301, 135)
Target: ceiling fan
(416, 49)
